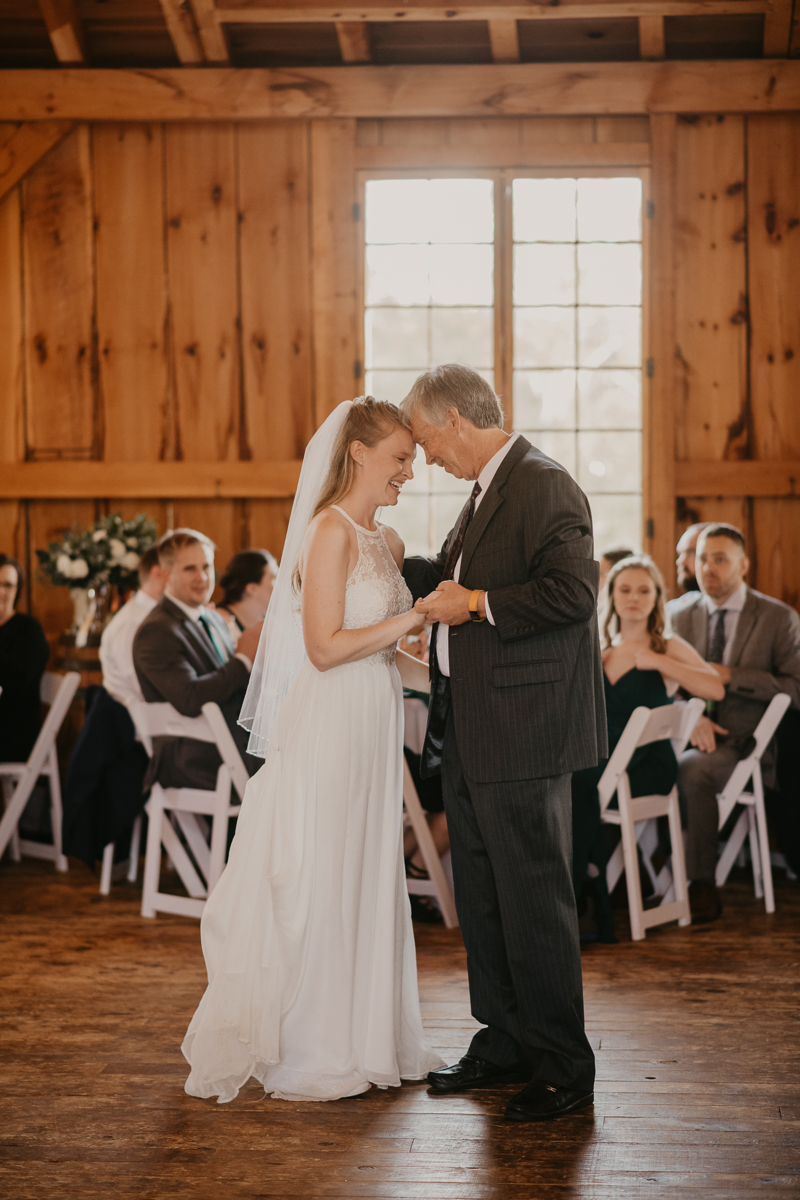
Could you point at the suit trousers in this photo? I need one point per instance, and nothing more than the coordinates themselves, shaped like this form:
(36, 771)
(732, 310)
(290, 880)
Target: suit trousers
(511, 847)
(700, 777)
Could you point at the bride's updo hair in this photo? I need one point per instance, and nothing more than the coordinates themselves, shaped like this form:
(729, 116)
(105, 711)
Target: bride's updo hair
(369, 421)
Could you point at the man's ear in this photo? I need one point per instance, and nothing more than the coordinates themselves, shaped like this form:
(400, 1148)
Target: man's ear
(453, 417)
(745, 565)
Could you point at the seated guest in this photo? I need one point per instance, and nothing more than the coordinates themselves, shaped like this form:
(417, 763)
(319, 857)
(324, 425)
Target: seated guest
(608, 559)
(247, 586)
(641, 666)
(23, 658)
(685, 562)
(753, 644)
(116, 644)
(183, 654)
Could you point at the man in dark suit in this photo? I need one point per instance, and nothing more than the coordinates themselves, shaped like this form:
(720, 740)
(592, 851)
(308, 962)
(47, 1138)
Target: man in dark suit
(516, 706)
(753, 642)
(183, 654)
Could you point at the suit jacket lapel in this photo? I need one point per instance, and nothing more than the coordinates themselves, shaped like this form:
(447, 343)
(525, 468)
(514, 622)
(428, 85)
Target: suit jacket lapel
(699, 619)
(744, 627)
(491, 501)
(195, 632)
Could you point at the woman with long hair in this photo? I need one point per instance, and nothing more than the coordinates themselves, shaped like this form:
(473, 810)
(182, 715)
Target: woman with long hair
(643, 665)
(307, 936)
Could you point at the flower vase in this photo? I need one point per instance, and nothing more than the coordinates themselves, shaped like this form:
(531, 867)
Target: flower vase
(80, 608)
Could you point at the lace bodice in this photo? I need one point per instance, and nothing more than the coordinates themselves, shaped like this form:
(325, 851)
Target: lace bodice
(375, 590)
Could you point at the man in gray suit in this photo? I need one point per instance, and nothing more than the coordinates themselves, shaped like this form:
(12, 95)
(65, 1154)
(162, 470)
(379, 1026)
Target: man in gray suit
(184, 654)
(753, 641)
(516, 706)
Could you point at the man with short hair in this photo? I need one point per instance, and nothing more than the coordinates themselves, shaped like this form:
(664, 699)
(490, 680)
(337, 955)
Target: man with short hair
(116, 644)
(753, 642)
(686, 550)
(516, 706)
(184, 655)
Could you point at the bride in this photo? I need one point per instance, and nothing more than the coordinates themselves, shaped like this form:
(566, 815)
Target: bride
(307, 936)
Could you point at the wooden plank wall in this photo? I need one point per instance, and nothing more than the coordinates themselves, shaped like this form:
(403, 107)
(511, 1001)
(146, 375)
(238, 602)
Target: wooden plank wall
(187, 292)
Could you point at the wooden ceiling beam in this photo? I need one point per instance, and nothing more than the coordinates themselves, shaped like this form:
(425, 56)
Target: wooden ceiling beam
(148, 480)
(652, 45)
(21, 147)
(65, 30)
(354, 41)
(494, 90)
(212, 36)
(183, 31)
(376, 11)
(504, 39)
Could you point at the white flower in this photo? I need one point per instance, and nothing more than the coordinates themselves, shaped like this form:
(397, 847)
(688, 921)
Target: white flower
(133, 542)
(118, 549)
(64, 565)
(130, 561)
(99, 535)
(80, 568)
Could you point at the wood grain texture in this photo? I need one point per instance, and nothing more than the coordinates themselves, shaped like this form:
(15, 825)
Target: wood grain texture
(776, 525)
(81, 480)
(353, 37)
(12, 406)
(333, 280)
(274, 204)
(513, 89)
(21, 147)
(212, 37)
(764, 478)
(504, 39)
(579, 154)
(714, 419)
(203, 266)
(263, 12)
(132, 303)
(65, 30)
(692, 1030)
(778, 29)
(773, 240)
(183, 31)
(63, 407)
(651, 37)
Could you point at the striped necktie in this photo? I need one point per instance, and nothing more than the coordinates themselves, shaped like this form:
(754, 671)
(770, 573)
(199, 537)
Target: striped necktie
(454, 553)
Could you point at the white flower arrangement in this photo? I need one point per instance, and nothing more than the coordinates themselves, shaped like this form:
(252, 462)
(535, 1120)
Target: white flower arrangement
(109, 553)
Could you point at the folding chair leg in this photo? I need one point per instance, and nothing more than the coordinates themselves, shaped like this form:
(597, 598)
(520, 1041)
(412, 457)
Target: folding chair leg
(763, 841)
(679, 881)
(105, 872)
(56, 811)
(152, 860)
(734, 850)
(133, 861)
(616, 865)
(633, 883)
(755, 855)
(14, 848)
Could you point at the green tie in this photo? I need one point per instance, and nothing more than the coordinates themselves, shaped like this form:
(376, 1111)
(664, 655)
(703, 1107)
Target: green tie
(214, 638)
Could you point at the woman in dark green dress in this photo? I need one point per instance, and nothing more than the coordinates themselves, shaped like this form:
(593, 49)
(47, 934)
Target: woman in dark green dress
(643, 666)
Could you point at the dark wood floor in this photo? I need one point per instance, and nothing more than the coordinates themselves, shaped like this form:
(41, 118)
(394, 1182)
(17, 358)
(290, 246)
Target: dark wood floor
(696, 1033)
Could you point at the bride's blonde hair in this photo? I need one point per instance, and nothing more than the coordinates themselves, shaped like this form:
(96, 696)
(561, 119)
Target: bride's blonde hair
(369, 421)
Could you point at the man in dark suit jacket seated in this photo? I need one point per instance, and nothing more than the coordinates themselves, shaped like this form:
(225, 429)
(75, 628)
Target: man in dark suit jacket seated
(754, 643)
(183, 654)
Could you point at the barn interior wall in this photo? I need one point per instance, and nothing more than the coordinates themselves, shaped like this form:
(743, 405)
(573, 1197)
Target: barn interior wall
(187, 293)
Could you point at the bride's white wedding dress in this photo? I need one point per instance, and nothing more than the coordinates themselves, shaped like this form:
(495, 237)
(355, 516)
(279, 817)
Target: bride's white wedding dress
(307, 936)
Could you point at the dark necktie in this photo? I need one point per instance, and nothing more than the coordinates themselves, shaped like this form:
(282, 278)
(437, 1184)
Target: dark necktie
(214, 638)
(717, 650)
(454, 553)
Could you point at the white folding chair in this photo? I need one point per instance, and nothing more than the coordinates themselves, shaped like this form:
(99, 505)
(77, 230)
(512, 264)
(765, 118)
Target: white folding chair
(111, 871)
(436, 884)
(674, 722)
(188, 808)
(753, 820)
(19, 779)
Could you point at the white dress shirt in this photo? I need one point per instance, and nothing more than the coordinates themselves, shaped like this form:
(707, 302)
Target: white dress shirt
(116, 648)
(733, 607)
(484, 479)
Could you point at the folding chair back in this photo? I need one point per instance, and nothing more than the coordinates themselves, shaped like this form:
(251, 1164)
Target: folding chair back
(198, 863)
(673, 722)
(19, 779)
(753, 820)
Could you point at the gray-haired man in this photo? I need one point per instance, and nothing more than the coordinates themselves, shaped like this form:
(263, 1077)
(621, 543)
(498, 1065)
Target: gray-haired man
(516, 707)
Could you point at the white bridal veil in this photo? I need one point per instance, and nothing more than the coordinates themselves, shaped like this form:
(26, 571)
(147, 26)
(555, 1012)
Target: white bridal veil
(281, 651)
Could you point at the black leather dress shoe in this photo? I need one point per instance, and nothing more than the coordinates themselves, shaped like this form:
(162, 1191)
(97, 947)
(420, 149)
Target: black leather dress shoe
(541, 1101)
(472, 1072)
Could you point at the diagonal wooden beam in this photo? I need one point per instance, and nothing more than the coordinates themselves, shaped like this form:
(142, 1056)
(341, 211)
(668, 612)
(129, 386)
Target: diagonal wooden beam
(651, 37)
(504, 38)
(354, 41)
(778, 29)
(210, 31)
(66, 32)
(183, 31)
(21, 147)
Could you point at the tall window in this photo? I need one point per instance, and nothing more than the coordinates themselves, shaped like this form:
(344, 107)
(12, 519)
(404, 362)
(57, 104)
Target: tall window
(565, 331)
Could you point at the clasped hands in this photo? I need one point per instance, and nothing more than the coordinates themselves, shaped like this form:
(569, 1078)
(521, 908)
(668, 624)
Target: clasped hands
(449, 604)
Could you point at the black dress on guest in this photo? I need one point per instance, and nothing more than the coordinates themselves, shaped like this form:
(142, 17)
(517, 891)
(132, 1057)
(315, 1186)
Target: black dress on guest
(23, 658)
(652, 770)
